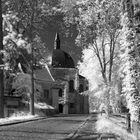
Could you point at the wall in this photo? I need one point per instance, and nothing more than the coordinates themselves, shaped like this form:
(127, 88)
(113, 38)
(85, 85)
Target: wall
(55, 98)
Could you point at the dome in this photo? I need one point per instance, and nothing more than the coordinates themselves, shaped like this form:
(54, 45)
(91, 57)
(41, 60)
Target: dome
(61, 59)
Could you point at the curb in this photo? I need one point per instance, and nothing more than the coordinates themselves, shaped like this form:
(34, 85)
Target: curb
(73, 134)
(21, 121)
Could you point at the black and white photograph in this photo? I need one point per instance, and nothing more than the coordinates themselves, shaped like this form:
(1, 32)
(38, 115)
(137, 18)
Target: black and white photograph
(69, 69)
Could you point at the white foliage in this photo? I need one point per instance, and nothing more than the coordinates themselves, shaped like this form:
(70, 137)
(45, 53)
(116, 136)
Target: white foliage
(18, 116)
(23, 85)
(23, 80)
(12, 41)
(129, 67)
(104, 125)
(90, 68)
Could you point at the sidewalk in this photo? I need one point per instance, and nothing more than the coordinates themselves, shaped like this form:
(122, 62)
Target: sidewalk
(118, 120)
(10, 121)
(121, 121)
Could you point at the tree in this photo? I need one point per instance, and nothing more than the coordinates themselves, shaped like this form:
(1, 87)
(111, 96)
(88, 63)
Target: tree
(1, 69)
(99, 29)
(23, 86)
(26, 18)
(130, 56)
(15, 45)
(100, 32)
(25, 15)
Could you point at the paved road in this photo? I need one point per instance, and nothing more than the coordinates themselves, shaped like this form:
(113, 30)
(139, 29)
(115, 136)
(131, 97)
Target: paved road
(56, 128)
(88, 131)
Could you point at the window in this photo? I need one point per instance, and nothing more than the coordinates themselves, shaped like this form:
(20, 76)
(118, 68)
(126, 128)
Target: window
(71, 86)
(81, 88)
(46, 93)
(60, 93)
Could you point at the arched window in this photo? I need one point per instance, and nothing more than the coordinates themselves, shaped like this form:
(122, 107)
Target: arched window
(81, 88)
(71, 86)
(60, 93)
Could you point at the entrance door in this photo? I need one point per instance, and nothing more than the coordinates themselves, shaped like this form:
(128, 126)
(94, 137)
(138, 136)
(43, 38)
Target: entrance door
(60, 108)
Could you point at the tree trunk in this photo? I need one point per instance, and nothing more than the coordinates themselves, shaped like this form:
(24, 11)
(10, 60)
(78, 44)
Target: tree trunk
(32, 110)
(1, 68)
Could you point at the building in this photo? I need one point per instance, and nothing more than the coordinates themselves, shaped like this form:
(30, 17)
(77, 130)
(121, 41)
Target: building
(64, 93)
(61, 84)
(14, 102)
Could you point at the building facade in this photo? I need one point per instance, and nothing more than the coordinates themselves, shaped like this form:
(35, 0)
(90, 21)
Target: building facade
(64, 93)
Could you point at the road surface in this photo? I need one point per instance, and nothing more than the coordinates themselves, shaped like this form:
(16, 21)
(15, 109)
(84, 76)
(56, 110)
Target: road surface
(55, 128)
(88, 130)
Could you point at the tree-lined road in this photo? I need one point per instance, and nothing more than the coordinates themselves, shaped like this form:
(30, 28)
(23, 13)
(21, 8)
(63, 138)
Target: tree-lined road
(88, 131)
(49, 129)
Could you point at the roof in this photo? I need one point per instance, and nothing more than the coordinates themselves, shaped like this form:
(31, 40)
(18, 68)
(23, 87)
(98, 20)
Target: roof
(43, 75)
(61, 59)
